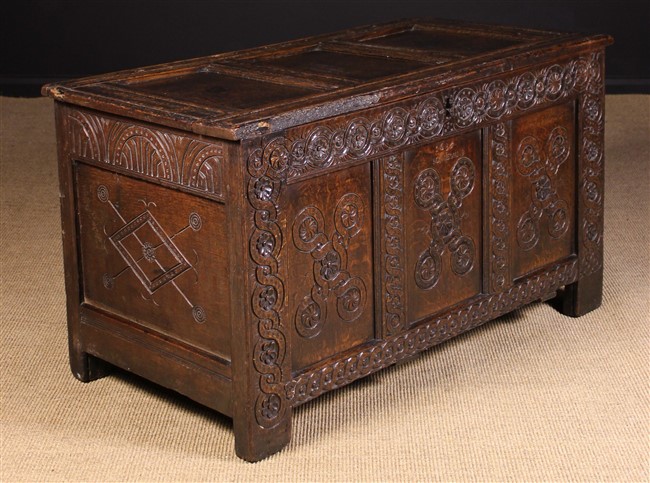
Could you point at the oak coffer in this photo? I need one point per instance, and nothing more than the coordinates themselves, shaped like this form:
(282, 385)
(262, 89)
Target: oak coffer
(256, 228)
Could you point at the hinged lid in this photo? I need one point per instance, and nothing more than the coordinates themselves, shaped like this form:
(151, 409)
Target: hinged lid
(244, 94)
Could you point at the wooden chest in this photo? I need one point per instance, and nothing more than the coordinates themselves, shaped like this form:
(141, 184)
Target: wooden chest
(253, 229)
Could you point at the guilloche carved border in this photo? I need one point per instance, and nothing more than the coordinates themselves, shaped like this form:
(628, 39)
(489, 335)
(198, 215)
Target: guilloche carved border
(592, 170)
(399, 347)
(155, 154)
(267, 295)
(392, 243)
(499, 207)
(308, 150)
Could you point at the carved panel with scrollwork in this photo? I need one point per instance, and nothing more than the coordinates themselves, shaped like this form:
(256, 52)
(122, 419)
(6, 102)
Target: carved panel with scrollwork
(330, 270)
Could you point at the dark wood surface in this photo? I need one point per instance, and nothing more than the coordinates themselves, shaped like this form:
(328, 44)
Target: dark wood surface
(390, 187)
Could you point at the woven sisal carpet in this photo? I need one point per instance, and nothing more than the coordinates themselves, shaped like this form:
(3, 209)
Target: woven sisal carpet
(532, 396)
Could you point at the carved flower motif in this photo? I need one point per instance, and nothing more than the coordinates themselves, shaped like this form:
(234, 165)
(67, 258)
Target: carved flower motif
(463, 256)
(270, 407)
(279, 158)
(358, 136)
(269, 353)
(395, 125)
(445, 222)
(330, 265)
(351, 300)
(543, 188)
(149, 252)
(554, 81)
(559, 221)
(265, 244)
(431, 114)
(350, 216)
(319, 146)
(427, 188)
(464, 108)
(527, 234)
(592, 153)
(268, 297)
(591, 233)
(308, 229)
(591, 191)
(264, 189)
(592, 109)
(462, 177)
(310, 317)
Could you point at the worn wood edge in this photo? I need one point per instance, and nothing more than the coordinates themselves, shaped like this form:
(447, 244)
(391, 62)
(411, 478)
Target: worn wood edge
(147, 357)
(156, 340)
(371, 357)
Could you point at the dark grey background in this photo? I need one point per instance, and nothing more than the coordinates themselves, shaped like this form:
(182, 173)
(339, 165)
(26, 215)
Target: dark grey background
(54, 40)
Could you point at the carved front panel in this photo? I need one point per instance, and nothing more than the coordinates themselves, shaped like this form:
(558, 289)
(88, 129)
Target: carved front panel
(442, 201)
(543, 159)
(329, 246)
(154, 256)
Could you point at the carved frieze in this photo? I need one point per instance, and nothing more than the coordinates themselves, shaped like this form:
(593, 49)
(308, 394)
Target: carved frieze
(346, 140)
(156, 154)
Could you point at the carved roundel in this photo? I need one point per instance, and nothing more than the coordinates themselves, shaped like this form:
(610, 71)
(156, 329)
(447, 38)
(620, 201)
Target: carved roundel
(351, 299)
(309, 317)
(529, 156)
(308, 229)
(465, 106)
(431, 114)
(349, 214)
(427, 269)
(319, 146)
(462, 255)
(527, 232)
(557, 148)
(395, 124)
(558, 222)
(358, 136)
(462, 177)
(427, 188)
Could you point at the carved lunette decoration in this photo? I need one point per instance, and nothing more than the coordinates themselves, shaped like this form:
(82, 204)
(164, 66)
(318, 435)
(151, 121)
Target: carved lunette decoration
(156, 154)
(317, 147)
(399, 347)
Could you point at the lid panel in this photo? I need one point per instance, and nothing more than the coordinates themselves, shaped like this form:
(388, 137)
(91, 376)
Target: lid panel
(342, 65)
(221, 91)
(460, 44)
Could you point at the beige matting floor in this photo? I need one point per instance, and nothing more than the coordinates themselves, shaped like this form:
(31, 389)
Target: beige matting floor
(532, 396)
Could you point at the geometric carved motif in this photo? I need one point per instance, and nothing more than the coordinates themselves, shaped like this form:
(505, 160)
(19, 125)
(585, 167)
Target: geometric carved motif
(150, 253)
(330, 256)
(445, 222)
(540, 164)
